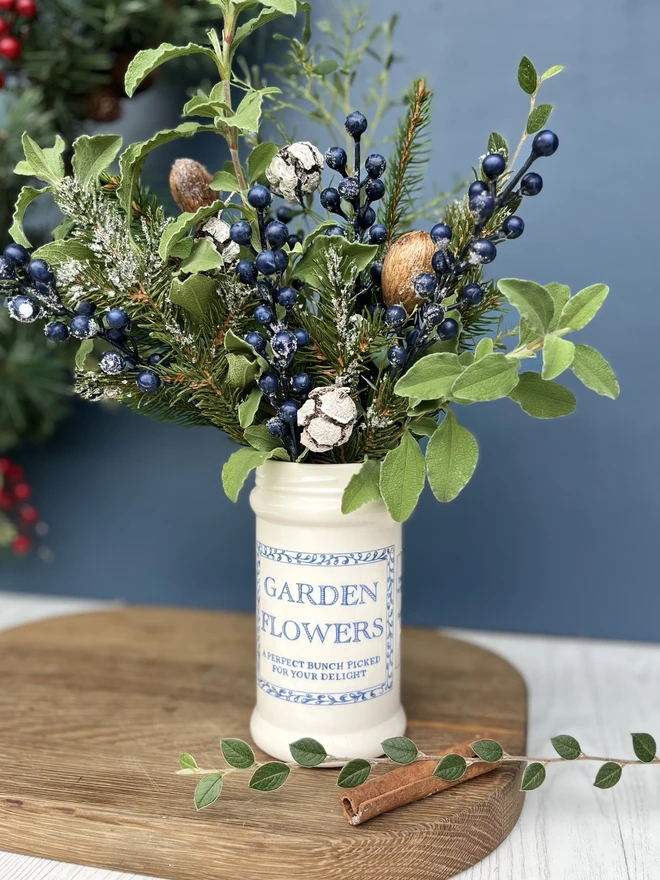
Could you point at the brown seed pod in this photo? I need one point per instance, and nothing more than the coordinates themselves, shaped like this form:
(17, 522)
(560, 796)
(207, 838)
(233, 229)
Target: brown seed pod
(102, 104)
(408, 257)
(189, 183)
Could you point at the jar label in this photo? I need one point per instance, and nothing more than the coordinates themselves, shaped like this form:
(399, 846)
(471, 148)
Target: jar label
(325, 625)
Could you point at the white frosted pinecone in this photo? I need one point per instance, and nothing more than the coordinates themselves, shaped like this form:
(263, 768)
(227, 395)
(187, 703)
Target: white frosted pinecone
(327, 417)
(295, 171)
(218, 230)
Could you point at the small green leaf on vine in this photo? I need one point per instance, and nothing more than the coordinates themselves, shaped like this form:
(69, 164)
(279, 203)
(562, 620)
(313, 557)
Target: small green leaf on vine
(608, 775)
(354, 773)
(308, 752)
(400, 749)
(187, 762)
(451, 768)
(533, 777)
(270, 776)
(488, 750)
(644, 746)
(208, 790)
(567, 747)
(237, 753)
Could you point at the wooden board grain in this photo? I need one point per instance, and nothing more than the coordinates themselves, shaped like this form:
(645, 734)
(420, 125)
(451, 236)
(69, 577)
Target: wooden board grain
(95, 708)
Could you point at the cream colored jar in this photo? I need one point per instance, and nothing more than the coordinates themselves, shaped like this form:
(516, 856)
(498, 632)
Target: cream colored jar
(328, 614)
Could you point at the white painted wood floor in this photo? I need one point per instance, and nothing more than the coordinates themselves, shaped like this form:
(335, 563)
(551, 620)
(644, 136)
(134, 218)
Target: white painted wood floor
(598, 691)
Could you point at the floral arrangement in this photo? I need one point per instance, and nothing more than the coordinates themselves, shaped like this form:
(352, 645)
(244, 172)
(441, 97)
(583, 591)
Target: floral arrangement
(348, 338)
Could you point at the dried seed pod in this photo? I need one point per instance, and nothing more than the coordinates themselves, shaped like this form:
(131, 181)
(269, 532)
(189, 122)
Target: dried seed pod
(408, 257)
(189, 183)
(102, 104)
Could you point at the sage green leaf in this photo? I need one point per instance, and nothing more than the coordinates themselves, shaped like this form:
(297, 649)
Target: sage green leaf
(284, 7)
(252, 24)
(484, 347)
(498, 144)
(451, 768)
(488, 750)
(203, 257)
(430, 378)
(208, 790)
(526, 334)
(354, 773)
(46, 164)
(490, 378)
(582, 308)
(259, 437)
(248, 112)
(237, 753)
(146, 61)
(247, 410)
(541, 399)
(325, 67)
(224, 181)
(420, 407)
(567, 747)
(425, 427)
(237, 345)
(527, 76)
(308, 752)
(608, 775)
(363, 487)
(592, 370)
(259, 159)
(210, 105)
(175, 231)
(552, 71)
(94, 155)
(451, 457)
(558, 355)
(560, 293)
(313, 265)
(538, 118)
(533, 302)
(400, 749)
(242, 371)
(183, 249)
(466, 358)
(84, 349)
(402, 476)
(187, 762)
(25, 198)
(195, 295)
(56, 252)
(241, 463)
(533, 777)
(270, 776)
(644, 746)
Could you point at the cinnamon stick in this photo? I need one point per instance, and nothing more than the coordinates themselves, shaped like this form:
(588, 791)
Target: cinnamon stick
(405, 785)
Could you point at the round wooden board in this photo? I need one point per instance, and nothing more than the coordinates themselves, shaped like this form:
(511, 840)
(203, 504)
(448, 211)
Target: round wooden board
(95, 709)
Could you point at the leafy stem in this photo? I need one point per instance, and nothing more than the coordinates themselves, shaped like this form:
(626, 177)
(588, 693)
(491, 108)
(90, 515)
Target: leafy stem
(225, 55)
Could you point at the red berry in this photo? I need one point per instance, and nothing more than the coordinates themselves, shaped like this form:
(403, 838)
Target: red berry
(6, 500)
(7, 5)
(10, 47)
(26, 8)
(2, 80)
(21, 544)
(29, 514)
(5, 464)
(4, 26)
(22, 491)
(15, 472)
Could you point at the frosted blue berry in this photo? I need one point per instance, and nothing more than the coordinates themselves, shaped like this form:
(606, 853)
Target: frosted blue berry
(301, 383)
(335, 230)
(441, 232)
(256, 340)
(395, 316)
(154, 359)
(531, 184)
(277, 234)
(112, 363)
(22, 308)
(302, 336)
(276, 427)
(336, 159)
(284, 214)
(482, 251)
(412, 337)
(281, 259)
(482, 207)
(513, 227)
(442, 261)
(148, 381)
(117, 319)
(356, 124)
(263, 314)
(433, 314)
(57, 331)
(473, 294)
(16, 255)
(82, 327)
(331, 200)
(241, 232)
(266, 263)
(349, 189)
(376, 272)
(287, 297)
(366, 217)
(448, 329)
(293, 240)
(375, 165)
(39, 270)
(6, 269)
(425, 284)
(477, 188)
(397, 355)
(259, 196)
(269, 383)
(130, 364)
(378, 233)
(493, 166)
(545, 143)
(86, 308)
(117, 336)
(284, 344)
(289, 412)
(374, 190)
(246, 271)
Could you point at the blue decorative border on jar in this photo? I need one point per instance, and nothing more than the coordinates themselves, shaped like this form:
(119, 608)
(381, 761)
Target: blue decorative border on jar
(365, 557)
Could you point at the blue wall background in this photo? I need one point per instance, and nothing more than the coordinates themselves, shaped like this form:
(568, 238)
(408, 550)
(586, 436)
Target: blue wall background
(558, 530)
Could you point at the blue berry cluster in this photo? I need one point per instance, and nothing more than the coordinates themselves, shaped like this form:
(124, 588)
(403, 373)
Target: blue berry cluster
(31, 289)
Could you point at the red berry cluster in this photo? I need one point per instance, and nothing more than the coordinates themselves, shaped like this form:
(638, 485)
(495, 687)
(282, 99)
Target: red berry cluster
(13, 17)
(14, 494)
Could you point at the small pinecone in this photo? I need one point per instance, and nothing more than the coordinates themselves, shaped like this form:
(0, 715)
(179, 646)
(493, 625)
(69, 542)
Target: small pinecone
(408, 257)
(189, 183)
(102, 104)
